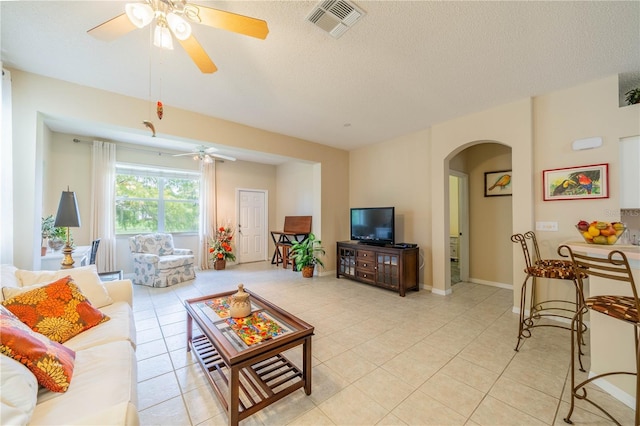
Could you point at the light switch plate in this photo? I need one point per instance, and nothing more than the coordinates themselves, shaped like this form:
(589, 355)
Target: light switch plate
(547, 226)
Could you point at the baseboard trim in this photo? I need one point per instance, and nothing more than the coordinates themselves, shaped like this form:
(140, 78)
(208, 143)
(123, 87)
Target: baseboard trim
(441, 292)
(614, 391)
(491, 283)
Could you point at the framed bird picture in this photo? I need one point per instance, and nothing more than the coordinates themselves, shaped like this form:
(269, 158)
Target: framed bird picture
(497, 183)
(576, 183)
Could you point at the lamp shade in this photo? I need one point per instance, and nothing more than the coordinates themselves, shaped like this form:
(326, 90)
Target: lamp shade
(68, 214)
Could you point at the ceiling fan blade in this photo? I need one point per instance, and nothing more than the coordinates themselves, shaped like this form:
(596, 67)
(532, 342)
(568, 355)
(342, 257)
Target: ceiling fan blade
(198, 55)
(233, 22)
(113, 28)
(186, 153)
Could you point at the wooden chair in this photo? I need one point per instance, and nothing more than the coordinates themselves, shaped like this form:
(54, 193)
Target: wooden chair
(295, 227)
(613, 268)
(556, 269)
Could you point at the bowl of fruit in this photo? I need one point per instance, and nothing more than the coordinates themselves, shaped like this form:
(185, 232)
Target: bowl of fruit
(598, 232)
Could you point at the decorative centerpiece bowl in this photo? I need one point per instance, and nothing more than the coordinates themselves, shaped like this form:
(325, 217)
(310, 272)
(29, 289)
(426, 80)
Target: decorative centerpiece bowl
(599, 232)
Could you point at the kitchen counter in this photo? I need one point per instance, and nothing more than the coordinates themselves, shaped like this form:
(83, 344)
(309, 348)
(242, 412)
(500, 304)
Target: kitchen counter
(632, 252)
(611, 340)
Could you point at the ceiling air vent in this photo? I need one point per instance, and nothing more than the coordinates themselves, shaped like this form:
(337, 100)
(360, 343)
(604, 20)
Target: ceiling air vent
(335, 16)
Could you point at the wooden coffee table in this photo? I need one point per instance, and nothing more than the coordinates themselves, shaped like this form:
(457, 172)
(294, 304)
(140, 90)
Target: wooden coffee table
(245, 367)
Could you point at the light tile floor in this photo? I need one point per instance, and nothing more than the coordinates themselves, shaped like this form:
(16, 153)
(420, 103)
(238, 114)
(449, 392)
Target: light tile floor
(378, 359)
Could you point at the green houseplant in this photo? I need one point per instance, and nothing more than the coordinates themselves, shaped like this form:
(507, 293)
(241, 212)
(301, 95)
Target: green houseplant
(55, 235)
(305, 254)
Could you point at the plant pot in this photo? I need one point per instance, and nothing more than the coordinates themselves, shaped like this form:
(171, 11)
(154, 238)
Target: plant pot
(43, 251)
(307, 271)
(56, 244)
(219, 264)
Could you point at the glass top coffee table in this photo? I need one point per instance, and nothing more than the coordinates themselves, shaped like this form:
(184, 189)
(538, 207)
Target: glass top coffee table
(242, 358)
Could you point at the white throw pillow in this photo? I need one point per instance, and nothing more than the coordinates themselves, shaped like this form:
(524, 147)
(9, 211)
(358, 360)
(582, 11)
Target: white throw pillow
(8, 276)
(85, 277)
(19, 392)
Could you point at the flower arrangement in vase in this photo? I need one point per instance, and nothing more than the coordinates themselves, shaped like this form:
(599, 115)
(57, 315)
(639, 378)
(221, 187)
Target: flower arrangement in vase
(220, 247)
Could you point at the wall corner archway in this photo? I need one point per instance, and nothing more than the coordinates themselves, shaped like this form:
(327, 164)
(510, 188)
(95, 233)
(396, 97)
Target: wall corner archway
(512, 125)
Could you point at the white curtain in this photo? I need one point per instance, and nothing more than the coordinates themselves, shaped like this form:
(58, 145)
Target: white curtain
(6, 173)
(207, 210)
(103, 204)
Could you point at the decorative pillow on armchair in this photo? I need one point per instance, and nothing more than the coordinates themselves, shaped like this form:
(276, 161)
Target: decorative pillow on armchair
(51, 362)
(58, 310)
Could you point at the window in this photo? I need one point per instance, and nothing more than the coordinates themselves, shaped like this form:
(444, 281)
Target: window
(156, 200)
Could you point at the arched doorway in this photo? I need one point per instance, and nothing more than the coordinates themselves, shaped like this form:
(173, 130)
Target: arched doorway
(486, 242)
(510, 124)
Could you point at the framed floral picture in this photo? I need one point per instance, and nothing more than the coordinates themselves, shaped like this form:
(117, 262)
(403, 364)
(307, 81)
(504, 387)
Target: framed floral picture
(497, 183)
(576, 183)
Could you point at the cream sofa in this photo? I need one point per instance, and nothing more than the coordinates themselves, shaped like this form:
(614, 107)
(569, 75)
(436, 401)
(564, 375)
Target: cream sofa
(103, 386)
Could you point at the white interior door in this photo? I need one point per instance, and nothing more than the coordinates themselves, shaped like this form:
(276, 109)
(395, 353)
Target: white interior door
(463, 224)
(252, 229)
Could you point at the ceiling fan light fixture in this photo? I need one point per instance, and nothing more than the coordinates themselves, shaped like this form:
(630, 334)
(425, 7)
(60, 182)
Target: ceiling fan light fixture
(140, 14)
(180, 27)
(207, 159)
(162, 36)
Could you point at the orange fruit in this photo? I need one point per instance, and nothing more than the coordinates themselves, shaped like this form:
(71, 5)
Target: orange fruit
(593, 231)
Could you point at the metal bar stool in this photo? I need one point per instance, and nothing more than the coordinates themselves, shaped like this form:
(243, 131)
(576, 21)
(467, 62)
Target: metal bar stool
(556, 269)
(614, 267)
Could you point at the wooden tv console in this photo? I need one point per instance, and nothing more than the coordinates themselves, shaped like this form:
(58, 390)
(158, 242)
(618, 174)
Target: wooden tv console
(388, 267)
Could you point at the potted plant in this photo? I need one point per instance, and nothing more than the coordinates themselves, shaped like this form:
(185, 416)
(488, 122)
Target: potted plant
(305, 255)
(633, 96)
(55, 236)
(220, 248)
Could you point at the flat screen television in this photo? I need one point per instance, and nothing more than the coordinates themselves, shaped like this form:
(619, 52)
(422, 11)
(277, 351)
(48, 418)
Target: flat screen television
(373, 225)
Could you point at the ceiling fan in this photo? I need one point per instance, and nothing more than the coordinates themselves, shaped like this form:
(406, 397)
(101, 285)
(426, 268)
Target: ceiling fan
(205, 154)
(172, 17)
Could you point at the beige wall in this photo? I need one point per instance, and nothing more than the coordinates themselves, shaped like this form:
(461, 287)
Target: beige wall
(35, 97)
(454, 229)
(295, 192)
(490, 218)
(396, 173)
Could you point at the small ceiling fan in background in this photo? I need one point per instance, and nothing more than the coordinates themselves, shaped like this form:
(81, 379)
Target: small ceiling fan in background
(172, 17)
(205, 154)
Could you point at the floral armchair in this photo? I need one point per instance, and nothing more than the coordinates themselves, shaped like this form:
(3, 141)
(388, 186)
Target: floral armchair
(156, 263)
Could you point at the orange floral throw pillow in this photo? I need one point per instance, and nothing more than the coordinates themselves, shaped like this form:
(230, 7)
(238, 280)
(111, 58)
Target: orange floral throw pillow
(50, 362)
(58, 310)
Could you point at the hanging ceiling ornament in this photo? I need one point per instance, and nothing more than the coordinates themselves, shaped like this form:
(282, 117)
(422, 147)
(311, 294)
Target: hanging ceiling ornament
(159, 110)
(172, 17)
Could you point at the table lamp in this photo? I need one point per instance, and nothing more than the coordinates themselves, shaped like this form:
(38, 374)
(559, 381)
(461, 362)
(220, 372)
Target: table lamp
(68, 216)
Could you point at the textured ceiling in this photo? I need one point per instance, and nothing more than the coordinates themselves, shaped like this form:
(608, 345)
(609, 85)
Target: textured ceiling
(403, 67)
